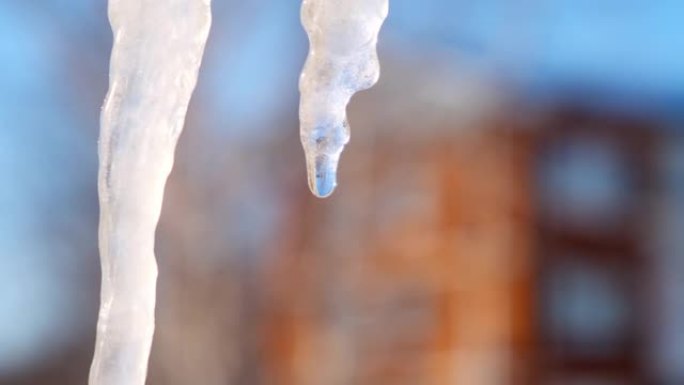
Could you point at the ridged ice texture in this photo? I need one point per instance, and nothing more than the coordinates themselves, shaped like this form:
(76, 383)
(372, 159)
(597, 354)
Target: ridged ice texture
(157, 51)
(342, 60)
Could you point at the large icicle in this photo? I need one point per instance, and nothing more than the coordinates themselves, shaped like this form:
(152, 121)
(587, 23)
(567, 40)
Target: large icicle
(342, 60)
(157, 51)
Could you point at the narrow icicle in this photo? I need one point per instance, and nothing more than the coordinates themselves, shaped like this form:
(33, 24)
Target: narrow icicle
(342, 60)
(157, 51)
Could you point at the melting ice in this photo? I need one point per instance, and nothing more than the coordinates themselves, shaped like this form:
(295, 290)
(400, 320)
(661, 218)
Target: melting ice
(157, 51)
(342, 60)
(158, 48)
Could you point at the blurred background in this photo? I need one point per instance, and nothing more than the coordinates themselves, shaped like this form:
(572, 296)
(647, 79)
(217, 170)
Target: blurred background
(510, 208)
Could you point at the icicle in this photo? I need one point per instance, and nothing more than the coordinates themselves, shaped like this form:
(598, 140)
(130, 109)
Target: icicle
(342, 60)
(157, 51)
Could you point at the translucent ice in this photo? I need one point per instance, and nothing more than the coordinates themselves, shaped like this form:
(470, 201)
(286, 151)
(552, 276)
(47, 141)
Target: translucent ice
(157, 51)
(342, 60)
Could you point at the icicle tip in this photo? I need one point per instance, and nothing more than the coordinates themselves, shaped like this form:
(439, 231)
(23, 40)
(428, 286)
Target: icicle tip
(322, 174)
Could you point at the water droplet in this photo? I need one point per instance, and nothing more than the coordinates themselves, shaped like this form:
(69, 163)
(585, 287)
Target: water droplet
(322, 173)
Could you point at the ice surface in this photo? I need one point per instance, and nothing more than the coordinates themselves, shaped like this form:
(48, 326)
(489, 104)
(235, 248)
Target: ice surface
(342, 60)
(157, 51)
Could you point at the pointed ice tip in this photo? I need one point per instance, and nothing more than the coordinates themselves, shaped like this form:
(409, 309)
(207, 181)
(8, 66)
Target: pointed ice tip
(323, 175)
(323, 186)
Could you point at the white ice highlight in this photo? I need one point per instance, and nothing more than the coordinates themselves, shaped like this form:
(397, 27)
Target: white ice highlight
(157, 51)
(342, 60)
